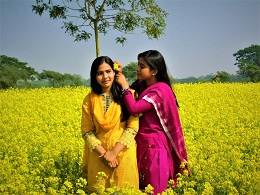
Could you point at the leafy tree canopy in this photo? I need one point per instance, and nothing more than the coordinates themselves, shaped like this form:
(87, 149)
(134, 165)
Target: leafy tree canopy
(12, 70)
(60, 80)
(80, 18)
(130, 72)
(248, 62)
(221, 76)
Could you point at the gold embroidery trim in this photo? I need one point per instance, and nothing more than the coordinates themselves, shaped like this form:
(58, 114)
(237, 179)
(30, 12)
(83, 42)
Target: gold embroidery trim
(91, 140)
(127, 137)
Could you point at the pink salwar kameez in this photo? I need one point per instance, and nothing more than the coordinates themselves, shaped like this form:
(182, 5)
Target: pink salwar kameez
(160, 141)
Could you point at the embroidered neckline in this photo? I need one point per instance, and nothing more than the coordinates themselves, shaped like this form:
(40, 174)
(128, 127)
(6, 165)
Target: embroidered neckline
(107, 99)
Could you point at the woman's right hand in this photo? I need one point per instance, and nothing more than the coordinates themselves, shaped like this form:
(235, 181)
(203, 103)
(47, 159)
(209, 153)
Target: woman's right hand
(109, 159)
(121, 80)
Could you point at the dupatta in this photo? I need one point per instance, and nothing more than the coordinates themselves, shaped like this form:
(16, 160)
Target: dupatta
(108, 120)
(161, 96)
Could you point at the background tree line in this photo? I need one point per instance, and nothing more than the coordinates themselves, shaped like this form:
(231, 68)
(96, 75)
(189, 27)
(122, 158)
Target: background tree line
(16, 74)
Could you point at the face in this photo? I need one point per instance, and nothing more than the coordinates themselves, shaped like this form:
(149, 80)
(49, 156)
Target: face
(143, 70)
(105, 76)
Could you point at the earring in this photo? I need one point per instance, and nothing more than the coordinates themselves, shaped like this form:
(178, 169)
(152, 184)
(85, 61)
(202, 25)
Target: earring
(153, 74)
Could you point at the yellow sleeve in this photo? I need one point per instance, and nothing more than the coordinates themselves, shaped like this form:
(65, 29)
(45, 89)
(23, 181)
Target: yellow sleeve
(91, 140)
(127, 137)
(87, 124)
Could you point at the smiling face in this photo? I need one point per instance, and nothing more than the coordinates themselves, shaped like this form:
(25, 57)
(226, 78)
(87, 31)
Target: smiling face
(105, 76)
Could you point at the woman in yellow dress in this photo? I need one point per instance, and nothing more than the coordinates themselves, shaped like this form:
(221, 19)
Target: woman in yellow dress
(108, 130)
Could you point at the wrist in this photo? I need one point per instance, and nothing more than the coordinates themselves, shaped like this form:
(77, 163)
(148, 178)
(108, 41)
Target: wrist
(114, 151)
(125, 90)
(100, 150)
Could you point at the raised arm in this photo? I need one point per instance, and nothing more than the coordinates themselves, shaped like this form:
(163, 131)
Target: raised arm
(133, 107)
(136, 107)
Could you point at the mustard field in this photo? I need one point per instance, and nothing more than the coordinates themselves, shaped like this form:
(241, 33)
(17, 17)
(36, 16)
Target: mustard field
(41, 145)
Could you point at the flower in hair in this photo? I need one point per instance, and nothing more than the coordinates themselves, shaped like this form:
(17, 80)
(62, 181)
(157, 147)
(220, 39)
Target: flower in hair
(115, 66)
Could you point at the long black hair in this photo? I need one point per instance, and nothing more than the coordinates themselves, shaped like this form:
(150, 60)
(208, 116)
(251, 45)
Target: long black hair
(116, 89)
(156, 61)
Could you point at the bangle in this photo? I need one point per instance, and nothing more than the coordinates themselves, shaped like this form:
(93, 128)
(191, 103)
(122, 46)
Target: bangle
(125, 90)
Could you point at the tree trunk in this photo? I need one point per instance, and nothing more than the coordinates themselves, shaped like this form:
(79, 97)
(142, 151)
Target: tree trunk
(97, 39)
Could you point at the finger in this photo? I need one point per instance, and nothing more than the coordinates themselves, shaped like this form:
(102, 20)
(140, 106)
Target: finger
(114, 164)
(110, 165)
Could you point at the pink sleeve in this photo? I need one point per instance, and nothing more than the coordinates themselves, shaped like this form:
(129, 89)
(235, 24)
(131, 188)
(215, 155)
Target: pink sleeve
(138, 107)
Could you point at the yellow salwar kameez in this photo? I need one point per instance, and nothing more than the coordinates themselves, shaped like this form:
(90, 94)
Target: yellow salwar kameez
(108, 129)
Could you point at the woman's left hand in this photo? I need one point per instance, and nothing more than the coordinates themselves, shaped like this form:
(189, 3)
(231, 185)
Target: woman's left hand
(113, 164)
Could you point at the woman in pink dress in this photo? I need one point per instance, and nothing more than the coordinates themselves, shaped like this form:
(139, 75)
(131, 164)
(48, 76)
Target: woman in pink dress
(160, 142)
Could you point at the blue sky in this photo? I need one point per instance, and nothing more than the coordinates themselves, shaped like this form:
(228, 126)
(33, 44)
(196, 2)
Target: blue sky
(200, 38)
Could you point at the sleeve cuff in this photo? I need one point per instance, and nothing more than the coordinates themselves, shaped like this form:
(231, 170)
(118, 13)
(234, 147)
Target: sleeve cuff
(91, 140)
(127, 137)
